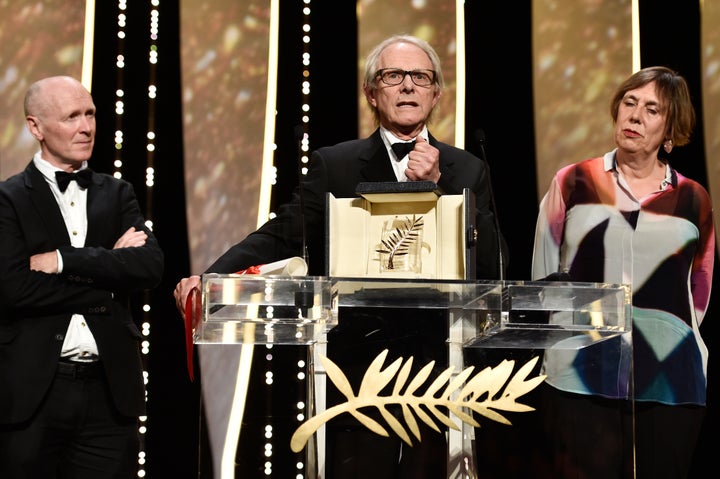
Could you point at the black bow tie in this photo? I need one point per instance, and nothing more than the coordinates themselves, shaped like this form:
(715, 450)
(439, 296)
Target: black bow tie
(401, 149)
(82, 177)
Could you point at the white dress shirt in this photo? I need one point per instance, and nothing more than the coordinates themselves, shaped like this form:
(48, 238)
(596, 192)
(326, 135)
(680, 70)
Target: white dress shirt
(79, 344)
(399, 165)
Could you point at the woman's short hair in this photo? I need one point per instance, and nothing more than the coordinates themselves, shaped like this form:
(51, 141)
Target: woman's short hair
(673, 92)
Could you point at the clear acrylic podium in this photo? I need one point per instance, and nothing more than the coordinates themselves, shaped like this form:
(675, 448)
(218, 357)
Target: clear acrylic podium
(483, 323)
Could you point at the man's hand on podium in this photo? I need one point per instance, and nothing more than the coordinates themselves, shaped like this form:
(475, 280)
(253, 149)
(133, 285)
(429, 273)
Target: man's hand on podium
(182, 290)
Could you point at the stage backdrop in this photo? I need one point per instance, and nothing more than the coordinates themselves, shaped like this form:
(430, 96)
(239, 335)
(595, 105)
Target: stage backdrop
(579, 58)
(710, 41)
(228, 57)
(581, 51)
(37, 39)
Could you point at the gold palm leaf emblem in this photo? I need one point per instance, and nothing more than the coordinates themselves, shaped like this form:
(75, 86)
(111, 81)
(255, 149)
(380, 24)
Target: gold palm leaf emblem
(486, 393)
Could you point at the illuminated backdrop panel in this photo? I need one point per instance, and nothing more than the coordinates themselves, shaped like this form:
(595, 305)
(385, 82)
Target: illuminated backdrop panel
(224, 57)
(37, 39)
(581, 52)
(710, 59)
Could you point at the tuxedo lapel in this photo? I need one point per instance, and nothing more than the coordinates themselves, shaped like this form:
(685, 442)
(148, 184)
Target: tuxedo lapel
(447, 162)
(97, 205)
(46, 206)
(49, 211)
(378, 166)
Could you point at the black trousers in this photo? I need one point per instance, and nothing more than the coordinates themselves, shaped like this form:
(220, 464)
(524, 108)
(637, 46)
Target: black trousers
(76, 434)
(597, 438)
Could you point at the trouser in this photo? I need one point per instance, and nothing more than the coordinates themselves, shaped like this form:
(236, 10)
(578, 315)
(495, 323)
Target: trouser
(592, 437)
(76, 433)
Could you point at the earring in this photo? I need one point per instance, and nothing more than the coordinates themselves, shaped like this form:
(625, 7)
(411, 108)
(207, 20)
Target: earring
(667, 146)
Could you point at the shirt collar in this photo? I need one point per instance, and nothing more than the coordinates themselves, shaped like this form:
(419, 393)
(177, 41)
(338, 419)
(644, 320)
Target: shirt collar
(388, 138)
(609, 161)
(610, 164)
(48, 170)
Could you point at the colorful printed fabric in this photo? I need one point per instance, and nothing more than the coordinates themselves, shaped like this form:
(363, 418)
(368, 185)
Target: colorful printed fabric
(592, 227)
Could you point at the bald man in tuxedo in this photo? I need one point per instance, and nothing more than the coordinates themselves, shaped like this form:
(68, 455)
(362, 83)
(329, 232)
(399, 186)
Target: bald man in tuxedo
(74, 246)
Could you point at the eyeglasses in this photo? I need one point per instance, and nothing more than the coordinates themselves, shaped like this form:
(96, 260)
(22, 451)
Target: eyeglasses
(395, 76)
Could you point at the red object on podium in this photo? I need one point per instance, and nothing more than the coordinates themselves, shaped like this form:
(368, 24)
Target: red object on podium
(192, 317)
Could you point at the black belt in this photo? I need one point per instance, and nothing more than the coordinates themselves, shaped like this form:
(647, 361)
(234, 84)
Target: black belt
(78, 370)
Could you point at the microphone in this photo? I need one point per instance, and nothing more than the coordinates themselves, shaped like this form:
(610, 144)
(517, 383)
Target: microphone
(480, 139)
(299, 137)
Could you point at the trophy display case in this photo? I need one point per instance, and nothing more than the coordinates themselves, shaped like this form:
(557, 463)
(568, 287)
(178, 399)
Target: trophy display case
(401, 230)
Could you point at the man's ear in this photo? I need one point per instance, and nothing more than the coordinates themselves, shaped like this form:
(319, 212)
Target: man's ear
(370, 96)
(33, 125)
(436, 98)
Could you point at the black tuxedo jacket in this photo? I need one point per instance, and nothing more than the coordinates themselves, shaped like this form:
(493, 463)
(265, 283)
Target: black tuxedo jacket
(35, 308)
(338, 169)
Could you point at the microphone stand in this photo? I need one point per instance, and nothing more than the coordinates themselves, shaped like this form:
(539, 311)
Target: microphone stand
(299, 136)
(480, 137)
(304, 296)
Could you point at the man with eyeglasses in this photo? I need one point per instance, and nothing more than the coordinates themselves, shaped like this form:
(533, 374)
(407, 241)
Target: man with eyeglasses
(403, 82)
